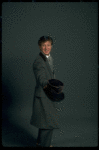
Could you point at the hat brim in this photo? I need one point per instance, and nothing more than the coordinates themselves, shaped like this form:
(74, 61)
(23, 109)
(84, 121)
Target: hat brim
(52, 95)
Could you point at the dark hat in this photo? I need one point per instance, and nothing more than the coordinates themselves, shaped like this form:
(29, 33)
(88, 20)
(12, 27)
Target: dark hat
(54, 90)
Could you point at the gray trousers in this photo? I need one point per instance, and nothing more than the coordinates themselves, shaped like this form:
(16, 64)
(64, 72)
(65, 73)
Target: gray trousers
(44, 137)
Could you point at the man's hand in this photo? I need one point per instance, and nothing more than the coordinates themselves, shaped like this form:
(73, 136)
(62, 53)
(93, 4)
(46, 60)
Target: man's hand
(45, 86)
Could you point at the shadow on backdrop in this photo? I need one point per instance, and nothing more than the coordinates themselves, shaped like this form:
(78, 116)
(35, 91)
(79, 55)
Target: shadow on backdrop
(15, 136)
(12, 134)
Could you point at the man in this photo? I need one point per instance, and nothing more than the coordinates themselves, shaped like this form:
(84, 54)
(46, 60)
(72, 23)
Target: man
(44, 114)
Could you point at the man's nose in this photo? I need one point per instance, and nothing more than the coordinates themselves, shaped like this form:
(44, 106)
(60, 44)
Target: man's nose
(45, 47)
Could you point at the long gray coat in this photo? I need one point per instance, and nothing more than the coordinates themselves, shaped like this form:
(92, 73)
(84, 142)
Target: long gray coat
(44, 114)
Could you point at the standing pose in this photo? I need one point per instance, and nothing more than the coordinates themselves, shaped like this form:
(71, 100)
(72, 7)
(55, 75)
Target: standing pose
(44, 114)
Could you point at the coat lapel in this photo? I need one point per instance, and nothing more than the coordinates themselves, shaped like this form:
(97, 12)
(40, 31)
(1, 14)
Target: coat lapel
(47, 64)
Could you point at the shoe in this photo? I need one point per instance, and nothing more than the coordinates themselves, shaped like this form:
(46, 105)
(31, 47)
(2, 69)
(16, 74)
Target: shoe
(51, 146)
(37, 145)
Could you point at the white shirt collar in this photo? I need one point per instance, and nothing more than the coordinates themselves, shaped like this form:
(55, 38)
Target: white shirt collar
(47, 56)
(44, 54)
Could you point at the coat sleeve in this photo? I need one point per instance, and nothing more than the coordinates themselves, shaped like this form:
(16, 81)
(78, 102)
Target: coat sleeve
(40, 74)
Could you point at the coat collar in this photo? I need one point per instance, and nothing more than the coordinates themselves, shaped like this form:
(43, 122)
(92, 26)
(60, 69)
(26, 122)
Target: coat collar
(43, 56)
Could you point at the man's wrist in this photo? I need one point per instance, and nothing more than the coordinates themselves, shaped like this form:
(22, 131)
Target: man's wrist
(45, 86)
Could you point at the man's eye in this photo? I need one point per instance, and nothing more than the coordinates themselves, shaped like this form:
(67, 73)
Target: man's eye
(44, 45)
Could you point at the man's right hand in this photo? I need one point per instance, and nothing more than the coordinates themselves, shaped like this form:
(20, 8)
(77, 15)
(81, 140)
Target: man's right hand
(45, 86)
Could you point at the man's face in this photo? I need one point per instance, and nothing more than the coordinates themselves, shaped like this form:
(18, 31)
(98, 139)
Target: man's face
(46, 47)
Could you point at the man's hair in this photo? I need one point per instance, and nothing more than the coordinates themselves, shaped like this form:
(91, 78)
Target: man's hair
(44, 39)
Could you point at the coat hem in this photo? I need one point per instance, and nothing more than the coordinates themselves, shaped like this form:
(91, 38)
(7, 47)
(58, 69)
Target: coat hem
(44, 127)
